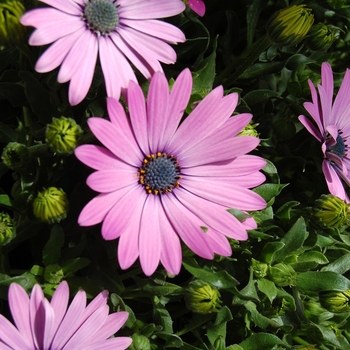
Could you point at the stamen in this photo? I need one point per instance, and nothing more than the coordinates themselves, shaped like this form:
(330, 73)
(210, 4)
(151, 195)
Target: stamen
(159, 173)
(339, 148)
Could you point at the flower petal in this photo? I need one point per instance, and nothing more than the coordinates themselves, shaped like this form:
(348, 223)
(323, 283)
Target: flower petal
(10, 336)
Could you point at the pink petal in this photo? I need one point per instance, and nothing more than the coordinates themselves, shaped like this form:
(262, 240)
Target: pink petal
(219, 243)
(212, 215)
(150, 9)
(197, 6)
(37, 315)
(157, 110)
(10, 336)
(120, 343)
(138, 116)
(59, 302)
(112, 180)
(311, 128)
(223, 192)
(159, 29)
(150, 236)
(95, 211)
(108, 133)
(67, 6)
(49, 327)
(334, 183)
(19, 305)
(179, 97)
(98, 158)
(42, 17)
(187, 226)
(125, 214)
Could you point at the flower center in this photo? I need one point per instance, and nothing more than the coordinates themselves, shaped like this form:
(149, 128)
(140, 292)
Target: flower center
(101, 16)
(339, 148)
(159, 173)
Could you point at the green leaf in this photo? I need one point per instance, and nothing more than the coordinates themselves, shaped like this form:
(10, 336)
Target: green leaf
(253, 13)
(12, 92)
(269, 191)
(283, 212)
(258, 96)
(268, 288)
(270, 250)
(171, 340)
(260, 69)
(327, 334)
(73, 265)
(220, 279)
(5, 201)
(340, 265)
(318, 281)
(262, 341)
(260, 320)
(7, 134)
(52, 249)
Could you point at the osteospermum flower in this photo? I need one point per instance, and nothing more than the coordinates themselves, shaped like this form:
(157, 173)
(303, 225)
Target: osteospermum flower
(161, 180)
(332, 129)
(41, 325)
(114, 30)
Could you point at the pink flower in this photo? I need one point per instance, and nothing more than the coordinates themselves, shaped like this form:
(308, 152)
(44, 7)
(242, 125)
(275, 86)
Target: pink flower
(162, 180)
(197, 6)
(114, 30)
(332, 129)
(44, 325)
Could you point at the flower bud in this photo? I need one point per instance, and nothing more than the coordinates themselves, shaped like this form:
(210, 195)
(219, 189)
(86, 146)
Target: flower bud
(202, 298)
(282, 275)
(321, 37)
(290, 25)
(259, 269)
(7, 230)
(250, 130)
(63, 135)
(50, 205)
(53, 274)
(331, 211)
(196, 6)
(15, 156)
(140, 342)
(335, 301)
(11, 30)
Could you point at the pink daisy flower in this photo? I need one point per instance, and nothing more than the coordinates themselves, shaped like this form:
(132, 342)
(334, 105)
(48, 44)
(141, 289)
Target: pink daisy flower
(162, 180)
(332, 128)
(114, 30)
(197, 6)
(44, 325)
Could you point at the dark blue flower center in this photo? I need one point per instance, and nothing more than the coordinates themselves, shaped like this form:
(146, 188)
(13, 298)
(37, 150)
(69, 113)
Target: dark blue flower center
(339, 148)
(159, 173)
(101, 16)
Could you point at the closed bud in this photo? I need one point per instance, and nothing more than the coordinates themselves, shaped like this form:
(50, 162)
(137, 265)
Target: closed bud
(290, 25)
(250, 130)
(259, 269)
(331, 211)
(11, 30)
(50, 205)
(202, 298)
(282, 275)
(7, 230)
(15, 156)
(140, 342)
(63, 135)
(321, 37)
(335, 301)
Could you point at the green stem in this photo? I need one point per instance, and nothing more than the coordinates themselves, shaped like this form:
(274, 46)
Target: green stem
(258, 48)
(300, 341)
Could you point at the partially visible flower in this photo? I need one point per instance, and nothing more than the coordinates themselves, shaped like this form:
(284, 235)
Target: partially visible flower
(161, 181)
(63, 135)
(282, 275)
(50, 205)
(335, 301)
(40, 324)
(201, 297)
(196, 6)
(15, 156)
(7, 230)
(114, 30)
(250, 130)
(331, 211)
(11, 30)
(331, 129)
(290, 25)
(321, 37)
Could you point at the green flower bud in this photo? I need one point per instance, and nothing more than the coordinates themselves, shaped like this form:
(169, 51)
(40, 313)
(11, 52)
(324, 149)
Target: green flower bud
(321, 37)
(313, 309)
(50, 205)
(250, 130)
(53, 274)
(7, 230)
(335, 301)
(331, 211)
(202, 298)
(290, 25)
(11, 30)
(63, 135)
(15, 156)
(259, 269)
(140, 342)
(282, 275)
